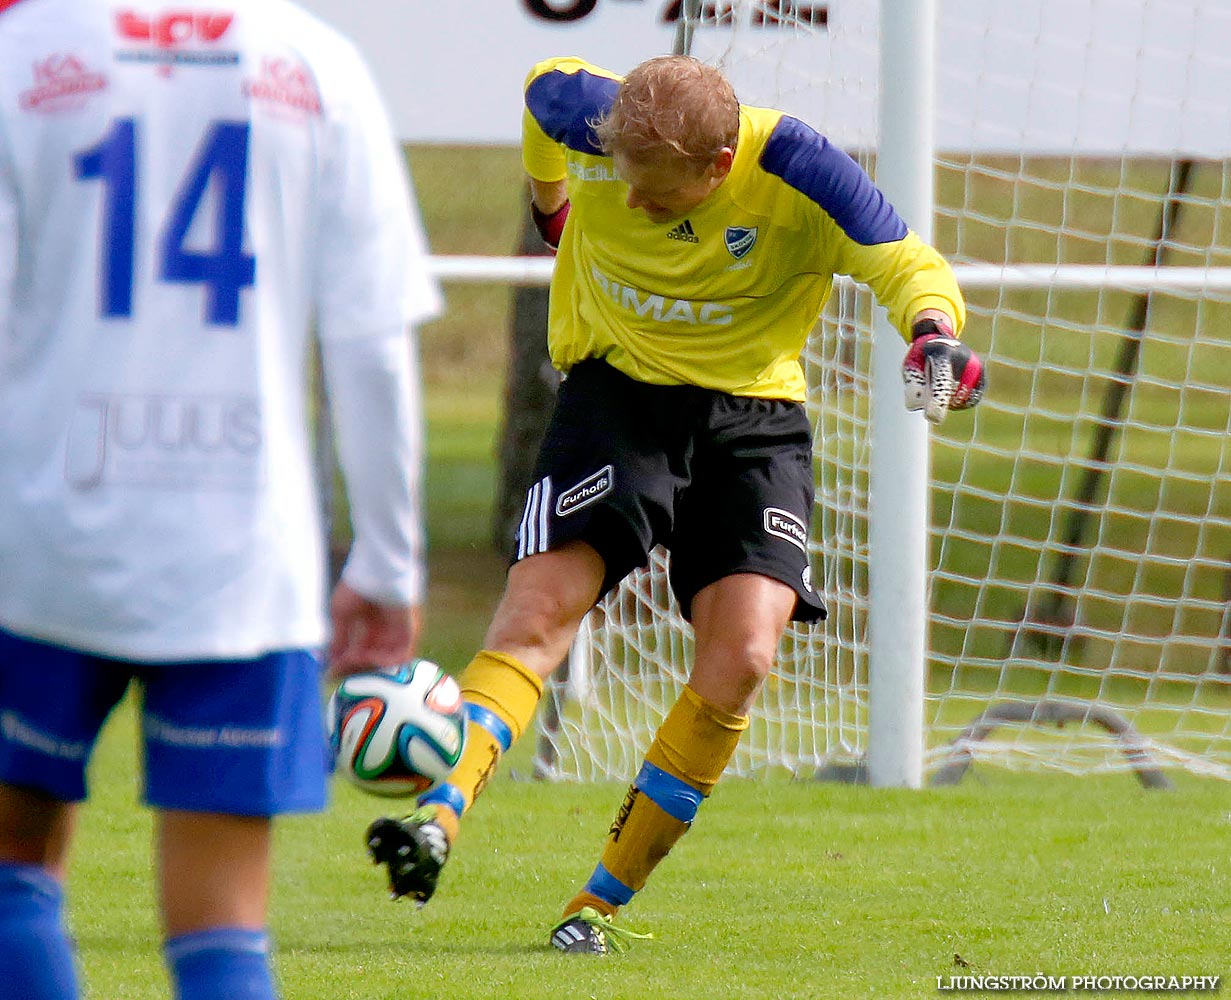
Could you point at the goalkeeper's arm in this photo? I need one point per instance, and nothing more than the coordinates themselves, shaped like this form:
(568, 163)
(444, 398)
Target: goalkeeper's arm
(549, 207)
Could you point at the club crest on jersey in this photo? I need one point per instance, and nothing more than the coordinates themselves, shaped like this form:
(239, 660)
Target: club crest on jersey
(62, 82)
(739, 240)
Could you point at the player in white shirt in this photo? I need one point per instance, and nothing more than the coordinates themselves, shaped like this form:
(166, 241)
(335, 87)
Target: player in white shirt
(186, 192)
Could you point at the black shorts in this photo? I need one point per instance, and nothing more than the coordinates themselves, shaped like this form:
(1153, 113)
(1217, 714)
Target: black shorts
(724, 482)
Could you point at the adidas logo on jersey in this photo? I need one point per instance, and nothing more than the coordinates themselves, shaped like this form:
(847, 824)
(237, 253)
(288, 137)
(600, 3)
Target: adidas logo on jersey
(684, 233)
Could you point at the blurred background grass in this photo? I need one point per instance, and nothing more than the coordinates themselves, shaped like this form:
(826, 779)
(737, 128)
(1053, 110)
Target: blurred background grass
(472, 200)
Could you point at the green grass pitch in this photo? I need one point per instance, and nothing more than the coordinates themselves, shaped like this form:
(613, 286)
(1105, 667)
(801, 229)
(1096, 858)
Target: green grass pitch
(782, 890)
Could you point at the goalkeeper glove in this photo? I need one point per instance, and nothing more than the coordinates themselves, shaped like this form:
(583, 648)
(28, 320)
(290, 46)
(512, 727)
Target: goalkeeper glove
(941, 373)
(550, 226)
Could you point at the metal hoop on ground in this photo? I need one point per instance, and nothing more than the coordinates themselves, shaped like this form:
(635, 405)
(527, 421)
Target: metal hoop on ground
(1058, 711)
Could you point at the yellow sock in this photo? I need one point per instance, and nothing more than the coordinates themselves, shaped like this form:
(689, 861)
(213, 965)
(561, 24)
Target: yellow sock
(692, 749)
(501, 696)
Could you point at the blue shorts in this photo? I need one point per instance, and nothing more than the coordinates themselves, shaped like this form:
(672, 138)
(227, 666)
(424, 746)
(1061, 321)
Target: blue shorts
(243, 737)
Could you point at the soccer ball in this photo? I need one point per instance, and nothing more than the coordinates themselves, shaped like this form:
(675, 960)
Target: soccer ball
(397, 732)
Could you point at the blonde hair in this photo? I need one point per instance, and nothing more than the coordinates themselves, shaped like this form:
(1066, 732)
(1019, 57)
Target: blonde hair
(674, 105)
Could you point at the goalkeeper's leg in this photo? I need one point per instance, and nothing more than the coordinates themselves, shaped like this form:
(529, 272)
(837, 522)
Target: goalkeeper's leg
(545, 598)
(738, 622)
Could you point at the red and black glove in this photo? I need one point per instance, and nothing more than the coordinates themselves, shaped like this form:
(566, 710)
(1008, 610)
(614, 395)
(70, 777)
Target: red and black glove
(941, 373)
(550, 226)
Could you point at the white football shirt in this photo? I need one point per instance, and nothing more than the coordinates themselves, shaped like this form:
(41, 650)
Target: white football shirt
(186, 191)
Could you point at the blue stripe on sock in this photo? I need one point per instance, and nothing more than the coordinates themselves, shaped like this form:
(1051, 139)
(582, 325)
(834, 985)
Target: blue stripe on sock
(608, 888)
(445, 795)
(672, 795)
(490, 721)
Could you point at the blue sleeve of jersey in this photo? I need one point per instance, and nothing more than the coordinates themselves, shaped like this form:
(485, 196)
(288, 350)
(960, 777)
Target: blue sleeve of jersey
(564, 104)
(808, 162)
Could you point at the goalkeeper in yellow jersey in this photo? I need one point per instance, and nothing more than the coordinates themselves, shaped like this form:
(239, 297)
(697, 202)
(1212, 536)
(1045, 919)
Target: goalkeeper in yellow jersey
(697, 243)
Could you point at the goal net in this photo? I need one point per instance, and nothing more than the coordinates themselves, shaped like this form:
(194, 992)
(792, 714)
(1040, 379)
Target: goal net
(1080, 529)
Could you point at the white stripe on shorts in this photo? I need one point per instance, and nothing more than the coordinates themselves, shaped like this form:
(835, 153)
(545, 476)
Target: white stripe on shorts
(532, 534)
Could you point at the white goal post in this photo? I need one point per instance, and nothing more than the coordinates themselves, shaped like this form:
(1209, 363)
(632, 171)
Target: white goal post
(1074, 603)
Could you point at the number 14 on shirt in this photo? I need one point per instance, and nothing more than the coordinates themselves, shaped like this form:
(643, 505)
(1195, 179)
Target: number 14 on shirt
(221, 157)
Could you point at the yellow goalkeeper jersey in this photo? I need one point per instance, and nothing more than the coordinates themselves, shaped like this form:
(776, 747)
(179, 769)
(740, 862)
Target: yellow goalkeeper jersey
(724, 298)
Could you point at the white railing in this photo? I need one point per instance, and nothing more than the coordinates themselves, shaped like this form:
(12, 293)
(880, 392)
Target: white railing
(972, 277)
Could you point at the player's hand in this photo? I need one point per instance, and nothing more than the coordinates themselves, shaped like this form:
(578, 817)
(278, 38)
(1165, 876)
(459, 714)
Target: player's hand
(940, 372)
(550, 226)
(368, 635)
